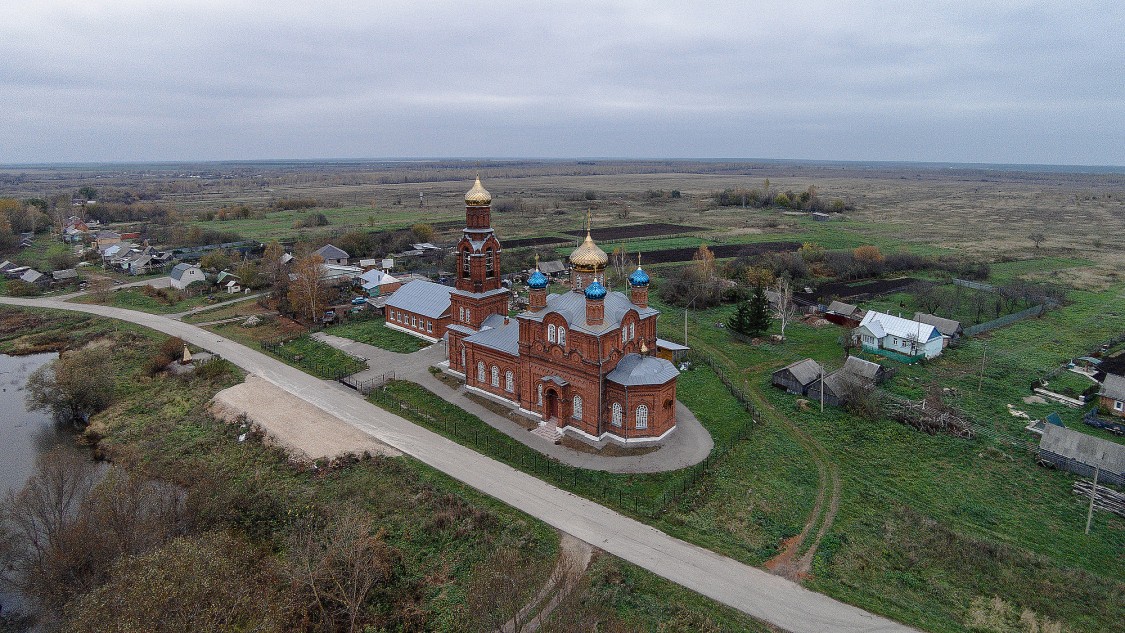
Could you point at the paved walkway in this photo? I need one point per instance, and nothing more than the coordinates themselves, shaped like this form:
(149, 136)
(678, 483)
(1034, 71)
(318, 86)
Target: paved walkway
(753, 591)
(688, 445)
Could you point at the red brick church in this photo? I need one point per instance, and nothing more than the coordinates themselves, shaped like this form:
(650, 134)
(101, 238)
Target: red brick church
(583, 360)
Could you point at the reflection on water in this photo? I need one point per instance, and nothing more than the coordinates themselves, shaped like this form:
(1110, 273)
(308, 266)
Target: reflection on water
(23, 434)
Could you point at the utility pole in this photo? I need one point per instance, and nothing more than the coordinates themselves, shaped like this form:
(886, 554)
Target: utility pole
(1093, 491)
(983, 355)
(822, 388)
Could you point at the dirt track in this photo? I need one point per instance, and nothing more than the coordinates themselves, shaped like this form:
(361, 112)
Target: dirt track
(307, 432)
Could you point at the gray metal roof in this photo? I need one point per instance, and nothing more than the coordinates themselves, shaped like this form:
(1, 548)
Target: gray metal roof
(492, 320)
(839, 307)
(31, 276)
(669, 345)
(552, 267)
(839, 381)
(1087, 449)
(179, 269)
(1113, 387)
(805, 371)
(504, 338)
(68, 273)
(948, 327)
(329, 251)
(634, 369)
(862, 368)
(421, 297)
(572, 307)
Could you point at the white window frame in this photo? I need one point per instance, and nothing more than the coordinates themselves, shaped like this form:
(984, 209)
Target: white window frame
(461, 314)
(1118, 405)
(480, 371)
(540, 395)
(462, 356)
(576, 408)
(509, 382)
(429, 325)
(615, 415)
(562, 336)
(551, 333)
(632, 330)
(642, 417)
(495, 376)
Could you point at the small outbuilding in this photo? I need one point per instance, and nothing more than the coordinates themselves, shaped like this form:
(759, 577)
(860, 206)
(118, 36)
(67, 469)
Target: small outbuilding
(797, 377)
(65, 276)
(866, 371)
(836, 387)
(332, 255)
(844, 314)
(950, 330)
(1112, 395)
(184, 275)
(1081, 454)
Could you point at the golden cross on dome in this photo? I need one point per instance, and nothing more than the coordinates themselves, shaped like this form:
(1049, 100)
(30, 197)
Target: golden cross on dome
(638, 259)
(537, 261)
(589, 218)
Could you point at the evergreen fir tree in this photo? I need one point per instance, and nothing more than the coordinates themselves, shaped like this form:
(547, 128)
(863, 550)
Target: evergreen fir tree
(740, 320)
(759, 313)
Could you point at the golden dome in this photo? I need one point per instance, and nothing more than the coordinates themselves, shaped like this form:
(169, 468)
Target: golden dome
(589, 255)
(478, 196)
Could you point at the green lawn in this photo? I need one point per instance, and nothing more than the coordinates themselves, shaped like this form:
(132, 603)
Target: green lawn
(319, 359)
(1005, 272)
(279, 224)
(373, 331)
(240, 308)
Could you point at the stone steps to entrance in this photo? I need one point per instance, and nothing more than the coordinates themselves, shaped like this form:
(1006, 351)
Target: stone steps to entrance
(548, 431)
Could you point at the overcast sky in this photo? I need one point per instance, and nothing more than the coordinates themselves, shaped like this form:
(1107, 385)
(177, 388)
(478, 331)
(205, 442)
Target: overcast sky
(978, 81)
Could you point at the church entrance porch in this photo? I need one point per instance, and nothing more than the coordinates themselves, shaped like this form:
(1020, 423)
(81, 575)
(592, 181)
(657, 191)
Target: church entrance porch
(551, 407)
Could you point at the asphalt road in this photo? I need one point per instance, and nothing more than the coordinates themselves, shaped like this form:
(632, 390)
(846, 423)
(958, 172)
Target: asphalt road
(764, 596)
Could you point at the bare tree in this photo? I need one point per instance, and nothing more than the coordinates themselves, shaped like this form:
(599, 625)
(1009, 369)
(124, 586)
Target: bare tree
(499, 590)
(73, 386)
(308, 291)
(1037, 237)
(784, 310)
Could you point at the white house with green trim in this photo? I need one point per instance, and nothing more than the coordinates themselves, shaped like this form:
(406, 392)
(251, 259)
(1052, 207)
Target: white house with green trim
(879, 332)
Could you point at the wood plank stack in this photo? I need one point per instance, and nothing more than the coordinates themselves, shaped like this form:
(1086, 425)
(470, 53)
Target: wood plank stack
(1104, 498)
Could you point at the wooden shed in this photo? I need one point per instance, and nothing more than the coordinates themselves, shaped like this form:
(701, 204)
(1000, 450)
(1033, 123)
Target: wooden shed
(797, 377)
(1081, 453)
(867, 371)
(836, 387)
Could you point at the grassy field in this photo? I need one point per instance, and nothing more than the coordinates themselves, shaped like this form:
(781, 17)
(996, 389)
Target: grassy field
(279, 225)
(136, 299)
(374, 332)
(239, 309)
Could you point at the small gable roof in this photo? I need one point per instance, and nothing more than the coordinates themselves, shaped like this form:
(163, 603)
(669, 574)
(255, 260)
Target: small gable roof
(179, 270)
(862, 368)
(1113, 387)
(839, 307)
(62, 275)
(1083, 448)
(634, 369)
(31, 276)
(948, 327)
(329, 251)
(804, 371)
(553, 267)
(376, 277)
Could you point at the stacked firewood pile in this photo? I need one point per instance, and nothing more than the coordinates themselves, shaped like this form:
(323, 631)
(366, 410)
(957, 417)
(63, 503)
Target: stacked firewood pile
(1104, 498)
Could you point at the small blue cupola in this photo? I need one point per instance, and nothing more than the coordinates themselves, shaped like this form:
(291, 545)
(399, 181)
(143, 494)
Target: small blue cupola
(595, 291)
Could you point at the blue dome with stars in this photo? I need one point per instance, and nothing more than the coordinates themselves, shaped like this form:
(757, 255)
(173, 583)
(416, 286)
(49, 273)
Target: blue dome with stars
(595, 291)
(537, 280)
(638, 278)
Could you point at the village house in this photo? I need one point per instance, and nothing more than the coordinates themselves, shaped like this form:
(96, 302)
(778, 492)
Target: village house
(183, 275)
(106, 238)
(375, 283)
(881, 333)
(1111, 397)
(950, 330)
(332, 255)
(35, 278)
(796, 378)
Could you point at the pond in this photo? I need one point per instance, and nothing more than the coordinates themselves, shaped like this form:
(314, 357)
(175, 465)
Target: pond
(23, 434)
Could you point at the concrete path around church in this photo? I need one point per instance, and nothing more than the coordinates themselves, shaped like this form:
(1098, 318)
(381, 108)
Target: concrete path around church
(688, 445)
(753, 591)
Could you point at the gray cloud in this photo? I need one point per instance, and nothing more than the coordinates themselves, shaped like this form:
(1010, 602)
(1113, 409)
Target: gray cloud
(1025, 82)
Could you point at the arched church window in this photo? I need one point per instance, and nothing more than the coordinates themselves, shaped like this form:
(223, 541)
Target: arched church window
(465, 263)
(462, 356)
(577, 408)
(551, 333)
(480, 371)
(562, 336)
(489, 264)
(615, 416)
(632, 330)
(642, 417)
(540, 395)
(509, 382)
(495, 376)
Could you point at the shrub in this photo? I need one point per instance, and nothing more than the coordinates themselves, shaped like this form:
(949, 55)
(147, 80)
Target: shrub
(19, 288)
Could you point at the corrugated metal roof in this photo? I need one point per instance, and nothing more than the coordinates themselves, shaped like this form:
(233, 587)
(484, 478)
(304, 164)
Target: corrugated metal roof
(1113, 387)
(898, 326)
(377, 277)
(179, 269)
(1087, 449)
(31, 276)
(669, 345)
(421, 297)
(805, 371)
(634, 369)
(504, 338)
(948, 327)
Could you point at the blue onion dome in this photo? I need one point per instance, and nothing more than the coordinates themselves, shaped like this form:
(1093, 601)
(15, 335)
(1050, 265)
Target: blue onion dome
(537, 280)
(595, 291)
(639, 277)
